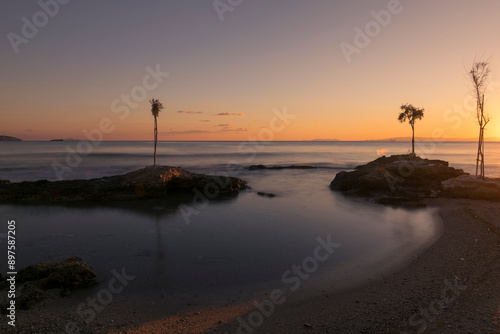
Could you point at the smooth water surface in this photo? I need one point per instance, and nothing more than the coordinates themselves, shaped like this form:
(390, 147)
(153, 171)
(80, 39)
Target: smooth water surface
(208, 249)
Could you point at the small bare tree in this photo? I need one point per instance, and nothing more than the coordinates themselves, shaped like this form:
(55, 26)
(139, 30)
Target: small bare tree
(411, 114)
(479, 76)
(156, 107)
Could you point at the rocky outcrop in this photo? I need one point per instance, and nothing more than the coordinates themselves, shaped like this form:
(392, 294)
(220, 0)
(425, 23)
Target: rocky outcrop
(34, 281)
(469, 186)
(149, 182)
(400, 177)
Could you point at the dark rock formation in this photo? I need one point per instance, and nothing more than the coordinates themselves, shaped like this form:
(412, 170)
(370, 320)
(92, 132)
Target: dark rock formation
(149, 182)
(255, 167)
(33, 281)
(469, 186)
(70, 274)
(399, 176)
(9, 138)
(263, 194)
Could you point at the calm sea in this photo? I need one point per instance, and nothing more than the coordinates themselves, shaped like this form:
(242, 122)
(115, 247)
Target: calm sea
(191, 250)
(27, 161)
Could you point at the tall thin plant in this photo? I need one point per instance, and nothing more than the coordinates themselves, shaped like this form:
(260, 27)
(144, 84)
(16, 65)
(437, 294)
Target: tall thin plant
(479, 76)
(156, 107)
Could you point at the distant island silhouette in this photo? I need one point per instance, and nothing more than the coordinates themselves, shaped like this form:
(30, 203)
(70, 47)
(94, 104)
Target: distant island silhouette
(9, 138)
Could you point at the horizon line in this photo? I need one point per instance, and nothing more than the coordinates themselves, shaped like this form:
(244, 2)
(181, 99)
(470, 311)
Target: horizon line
(298, 141)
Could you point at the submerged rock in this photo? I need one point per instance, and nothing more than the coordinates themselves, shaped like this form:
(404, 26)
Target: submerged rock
(399, 176)
(149, 182)
(33, 281)
(263, 194)
(257, 167)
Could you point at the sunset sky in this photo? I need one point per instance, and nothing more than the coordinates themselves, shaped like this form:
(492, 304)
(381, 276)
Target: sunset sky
(231, 66)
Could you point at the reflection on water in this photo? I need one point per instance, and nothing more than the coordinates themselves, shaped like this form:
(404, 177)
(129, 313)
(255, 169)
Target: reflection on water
(245, 241)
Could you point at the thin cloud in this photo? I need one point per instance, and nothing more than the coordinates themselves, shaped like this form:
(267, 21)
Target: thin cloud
(189, 112)
(234, 130)
(229, 114)
(224, 125)
(205, 120)
(188, 132)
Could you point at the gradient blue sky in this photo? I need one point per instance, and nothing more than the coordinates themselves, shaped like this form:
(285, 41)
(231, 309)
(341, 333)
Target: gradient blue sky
(264, 55)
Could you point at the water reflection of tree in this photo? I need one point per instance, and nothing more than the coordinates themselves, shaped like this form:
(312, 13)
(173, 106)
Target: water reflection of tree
(161, 259)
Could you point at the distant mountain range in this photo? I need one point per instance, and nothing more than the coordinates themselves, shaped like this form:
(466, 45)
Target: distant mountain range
(325, 140)
(405, 139)
(9, 138)
(435, 139)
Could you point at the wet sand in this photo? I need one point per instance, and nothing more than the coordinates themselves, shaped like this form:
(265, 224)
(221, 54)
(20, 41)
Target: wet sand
(452, 287)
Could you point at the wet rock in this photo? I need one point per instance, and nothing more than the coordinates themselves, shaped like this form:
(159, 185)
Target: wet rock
(397, 176)
(34, 280)
(149, 182)
(29, 296)
(263, 194)
(469, 186)
(70, 274)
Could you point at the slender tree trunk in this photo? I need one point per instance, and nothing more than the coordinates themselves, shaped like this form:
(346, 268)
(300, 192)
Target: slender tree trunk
(413, 140)
(479, 141)
(480, 148)
(485, 122)
(481, 153)
(156, 140)
(478, 158)
(483, 175)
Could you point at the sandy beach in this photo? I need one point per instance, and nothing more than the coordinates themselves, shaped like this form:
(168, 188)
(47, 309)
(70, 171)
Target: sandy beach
(452, 287)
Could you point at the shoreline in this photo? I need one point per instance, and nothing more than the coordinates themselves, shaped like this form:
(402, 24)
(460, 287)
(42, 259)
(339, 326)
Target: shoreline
(456, 277)
(457, 273)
